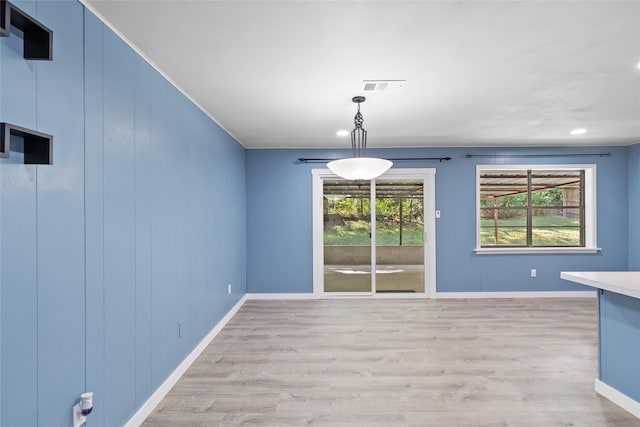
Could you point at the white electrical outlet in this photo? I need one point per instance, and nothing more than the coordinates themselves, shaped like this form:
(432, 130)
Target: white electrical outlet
(229, 288)
(437, 214)
(534, 273)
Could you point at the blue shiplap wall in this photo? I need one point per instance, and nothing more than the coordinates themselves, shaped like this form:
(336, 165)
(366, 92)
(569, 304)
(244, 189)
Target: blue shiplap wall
(634, 207)
(42, 228)
(279, 210)
(168, 193)
(114, 261)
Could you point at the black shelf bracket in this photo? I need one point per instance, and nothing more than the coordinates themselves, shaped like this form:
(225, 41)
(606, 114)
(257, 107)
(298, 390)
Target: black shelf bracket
(38, 39)
(37, 147)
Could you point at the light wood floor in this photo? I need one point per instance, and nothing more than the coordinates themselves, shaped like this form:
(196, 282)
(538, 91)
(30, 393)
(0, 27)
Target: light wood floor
(500, 362)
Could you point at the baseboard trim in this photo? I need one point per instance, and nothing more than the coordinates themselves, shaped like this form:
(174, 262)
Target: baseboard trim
(310, 296)
(622, 400)
(282, 296)
(549, 294)
(147, 408)
(441, 295)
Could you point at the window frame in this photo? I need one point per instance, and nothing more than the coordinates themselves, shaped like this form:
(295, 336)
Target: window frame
(590, 208)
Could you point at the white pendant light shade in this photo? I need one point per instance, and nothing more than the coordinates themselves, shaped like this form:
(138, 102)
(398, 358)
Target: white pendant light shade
(362, 168)
(359, 167)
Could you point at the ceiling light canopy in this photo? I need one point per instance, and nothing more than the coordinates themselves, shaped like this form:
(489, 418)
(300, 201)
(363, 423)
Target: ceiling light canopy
(580, 131)
(359, 167)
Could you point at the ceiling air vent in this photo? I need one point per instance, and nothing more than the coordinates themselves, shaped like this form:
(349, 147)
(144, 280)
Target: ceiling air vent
(382, 85)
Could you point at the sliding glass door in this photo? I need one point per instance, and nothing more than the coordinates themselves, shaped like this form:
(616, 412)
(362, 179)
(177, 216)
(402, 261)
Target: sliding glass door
(347, 236)
(399, 235)
(369, 236)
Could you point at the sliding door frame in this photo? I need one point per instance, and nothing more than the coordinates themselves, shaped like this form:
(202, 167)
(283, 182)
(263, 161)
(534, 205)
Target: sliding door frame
(428, 176)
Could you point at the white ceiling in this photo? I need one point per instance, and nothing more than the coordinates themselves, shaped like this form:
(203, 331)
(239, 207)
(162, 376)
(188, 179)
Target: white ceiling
(281, 74)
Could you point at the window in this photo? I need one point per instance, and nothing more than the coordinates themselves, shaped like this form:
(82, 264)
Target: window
(535, 208)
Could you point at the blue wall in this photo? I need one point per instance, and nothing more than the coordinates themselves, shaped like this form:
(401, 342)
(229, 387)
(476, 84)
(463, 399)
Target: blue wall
(280, 236)
(619, 322)
(42, 229)
(619, 314)
(634, 207)
(128, 238)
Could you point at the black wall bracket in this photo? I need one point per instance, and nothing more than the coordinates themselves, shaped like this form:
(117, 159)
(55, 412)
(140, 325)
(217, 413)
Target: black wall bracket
(38, 39)
(38, 146)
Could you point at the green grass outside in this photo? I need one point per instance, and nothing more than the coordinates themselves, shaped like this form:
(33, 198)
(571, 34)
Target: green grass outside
(565, 232)
(355, 233)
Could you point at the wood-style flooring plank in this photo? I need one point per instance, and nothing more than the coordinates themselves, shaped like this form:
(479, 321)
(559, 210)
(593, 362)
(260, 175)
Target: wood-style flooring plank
(359, 362)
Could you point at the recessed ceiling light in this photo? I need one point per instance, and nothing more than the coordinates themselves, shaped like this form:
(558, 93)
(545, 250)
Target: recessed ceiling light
(342, 132)
(578, 132)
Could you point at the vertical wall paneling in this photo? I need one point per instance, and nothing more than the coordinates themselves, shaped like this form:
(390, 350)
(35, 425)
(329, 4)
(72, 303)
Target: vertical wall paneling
(170, 230)
(234, 201)
(200, 214)
(94, 215)
(184, 135)
(151, 175)
(162, 308)
(119, 229)
(60, 218)
(18, 267)
(172, 208)
(143, 185)
(120, 250)
(216, 278)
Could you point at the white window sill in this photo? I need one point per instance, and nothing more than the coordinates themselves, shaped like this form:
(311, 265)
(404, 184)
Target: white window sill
(531, 251)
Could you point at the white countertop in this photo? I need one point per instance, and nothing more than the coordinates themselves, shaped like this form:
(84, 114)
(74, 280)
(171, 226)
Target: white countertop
(620, 282)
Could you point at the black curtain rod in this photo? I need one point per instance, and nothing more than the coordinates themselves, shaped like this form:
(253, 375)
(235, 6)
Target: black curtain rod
(524, 156)
(397, 159)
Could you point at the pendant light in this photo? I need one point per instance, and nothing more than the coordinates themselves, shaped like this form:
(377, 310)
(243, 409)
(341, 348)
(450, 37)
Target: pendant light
(359, 167)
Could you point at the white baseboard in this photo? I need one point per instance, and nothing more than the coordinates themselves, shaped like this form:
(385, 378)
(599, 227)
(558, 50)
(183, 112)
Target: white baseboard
(619, 398)
(546, 294)
(282, 296)
(147, 408)
(549, 294)
(345, 295)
